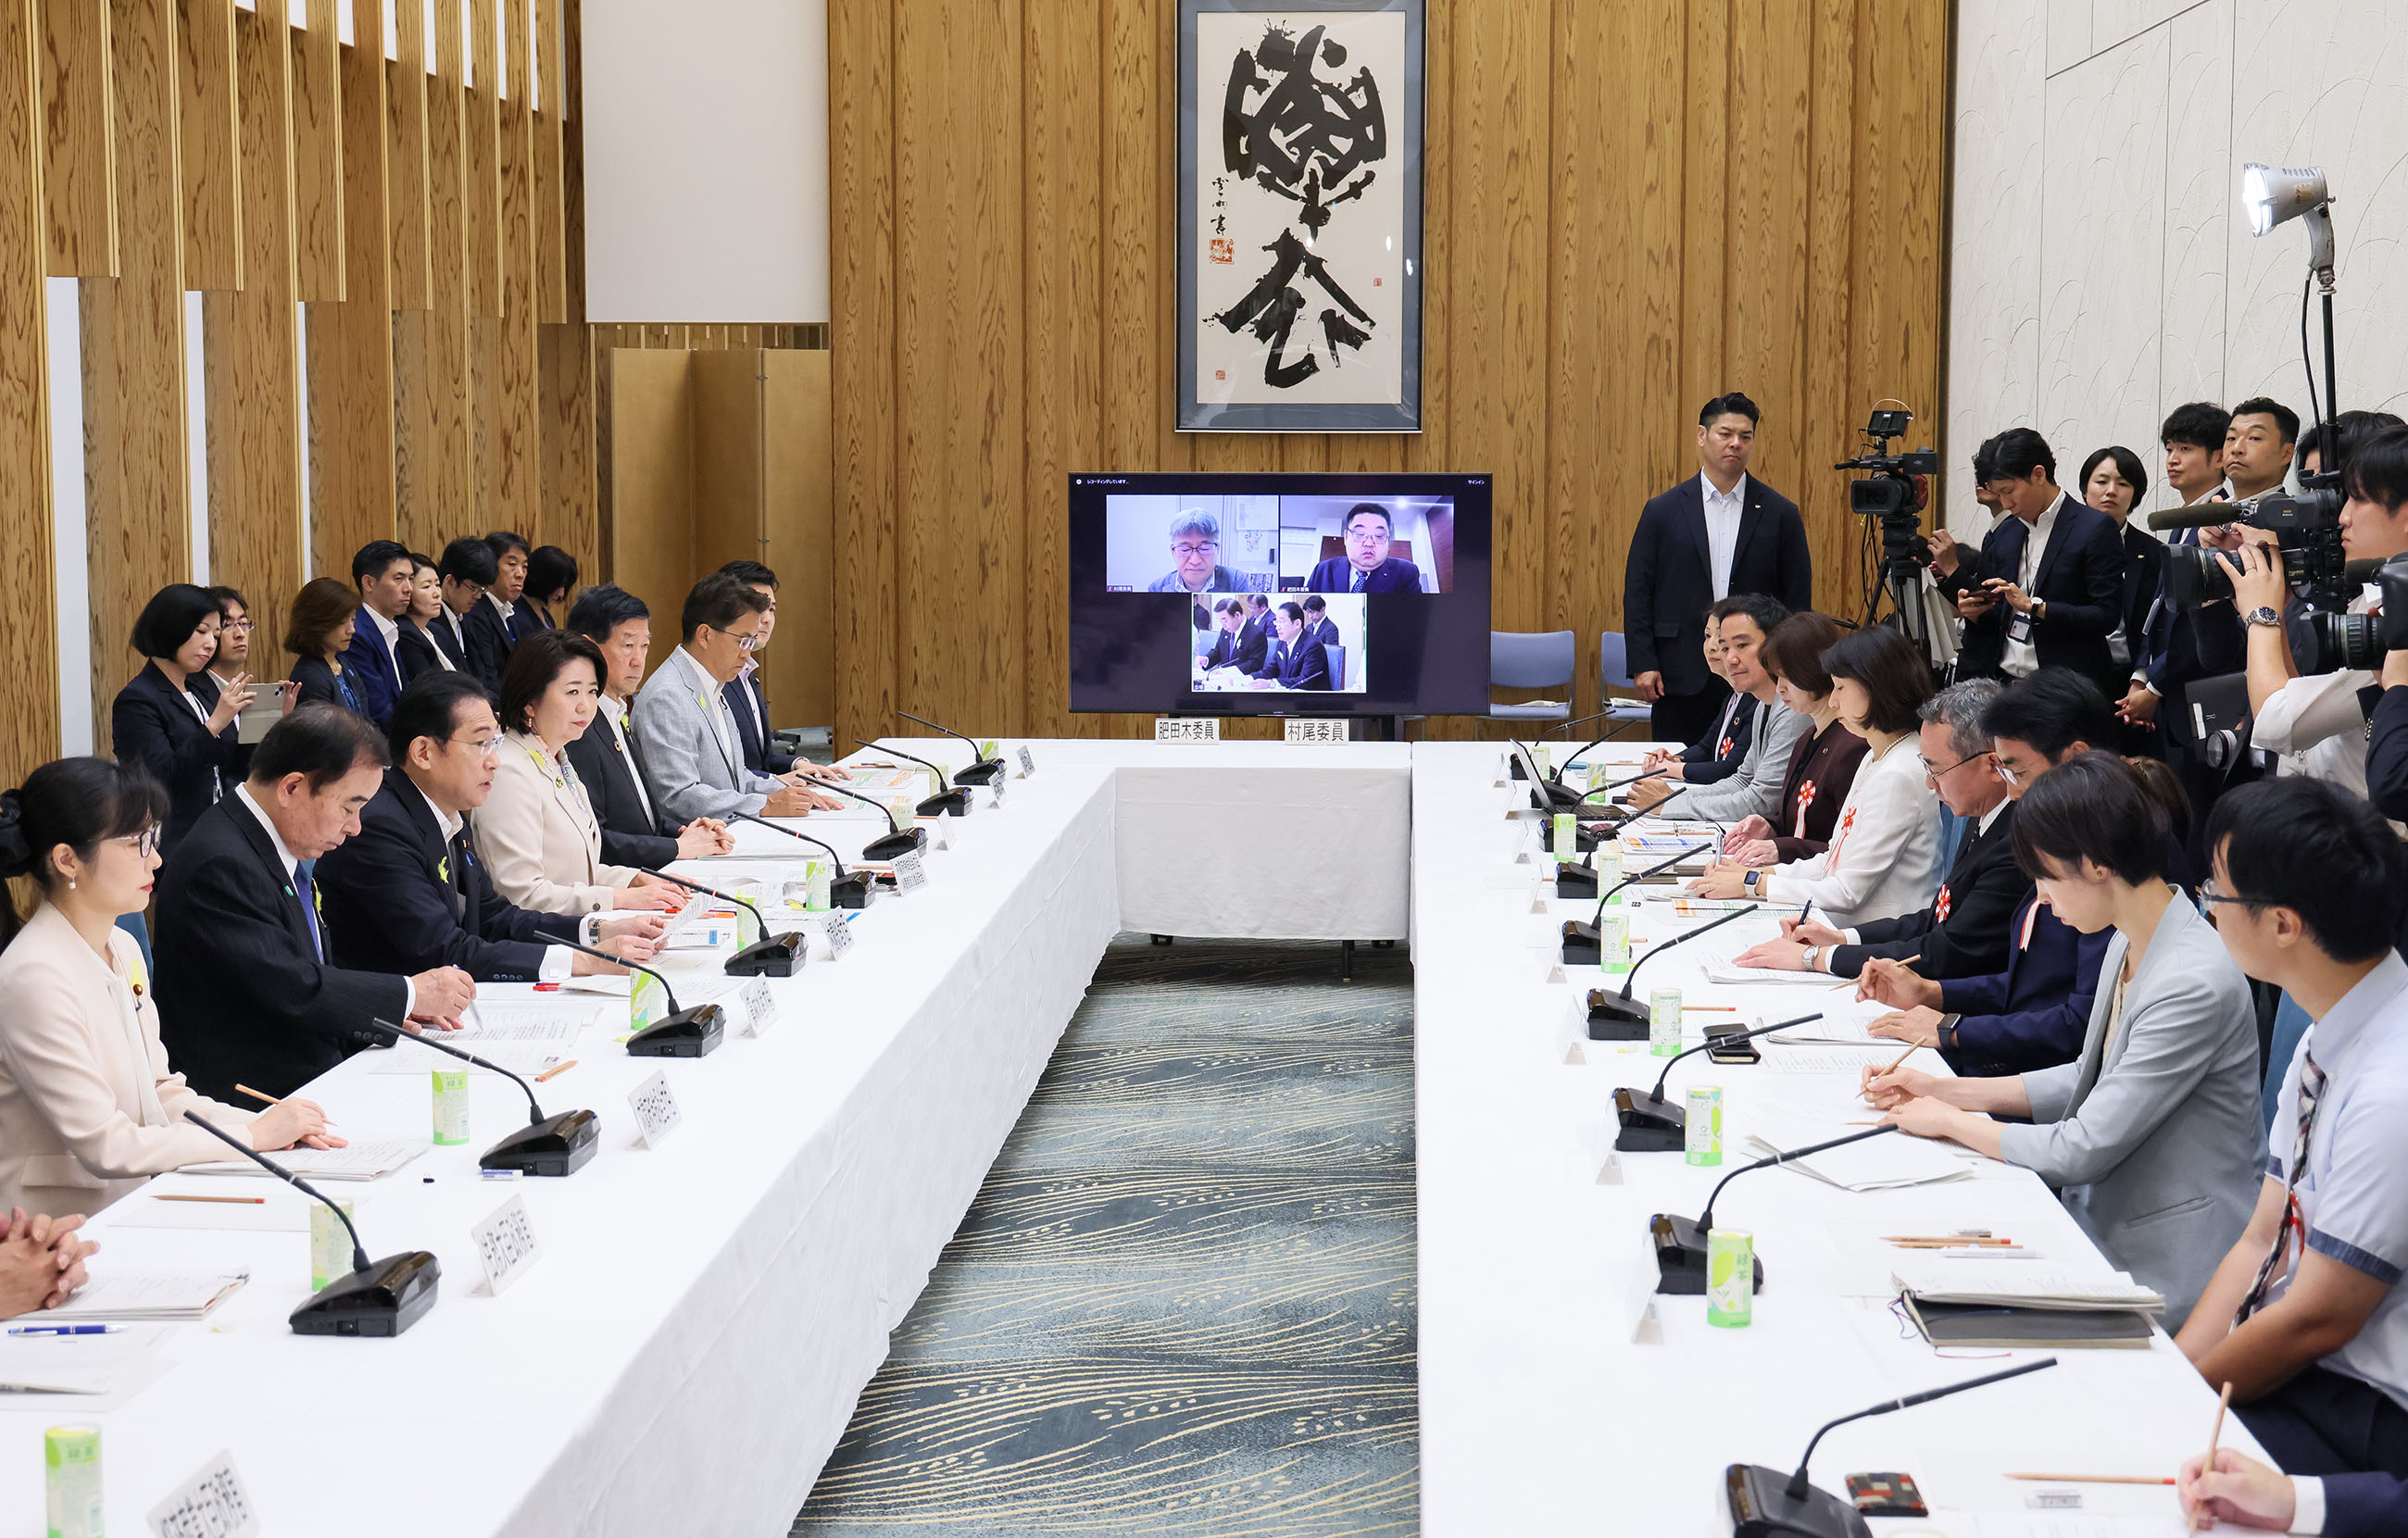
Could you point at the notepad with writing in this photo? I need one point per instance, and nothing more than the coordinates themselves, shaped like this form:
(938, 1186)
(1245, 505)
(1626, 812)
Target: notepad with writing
(363, 1160)
(182, 1295)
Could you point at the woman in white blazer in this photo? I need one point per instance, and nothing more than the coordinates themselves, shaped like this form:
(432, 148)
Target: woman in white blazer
(1884, 860)
(89, 1109)
(540, 840)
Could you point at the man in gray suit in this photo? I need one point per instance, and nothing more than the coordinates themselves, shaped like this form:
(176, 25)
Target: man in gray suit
(694, 762)
(1743, 621)
(2149, 1136)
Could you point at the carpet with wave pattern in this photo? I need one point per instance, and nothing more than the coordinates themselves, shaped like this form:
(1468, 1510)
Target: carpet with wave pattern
(1184, 1300)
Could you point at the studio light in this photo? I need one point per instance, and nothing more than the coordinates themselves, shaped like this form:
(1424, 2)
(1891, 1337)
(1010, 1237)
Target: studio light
(2275, 195)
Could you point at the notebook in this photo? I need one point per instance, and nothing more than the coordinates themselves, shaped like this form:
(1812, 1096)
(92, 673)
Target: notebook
(186, 1295)
(2002, 1329)
(1935, 1277)
(360, 1161)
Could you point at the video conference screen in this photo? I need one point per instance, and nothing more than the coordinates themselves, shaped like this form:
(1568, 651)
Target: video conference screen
(1276, 594)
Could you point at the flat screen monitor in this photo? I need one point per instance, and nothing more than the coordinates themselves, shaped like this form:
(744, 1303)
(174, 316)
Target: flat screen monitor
(1280, 595)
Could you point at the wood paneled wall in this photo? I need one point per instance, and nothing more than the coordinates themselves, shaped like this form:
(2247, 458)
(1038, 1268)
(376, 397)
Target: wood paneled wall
(430, 229)
(1629, 209)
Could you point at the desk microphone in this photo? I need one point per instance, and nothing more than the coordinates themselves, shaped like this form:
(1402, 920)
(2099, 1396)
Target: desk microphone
(770, 955)
(546, 1145)
(1681, 1245)
(1611, 1017)
(844, 891)
(947, 801)
(1547, 793)
(896, 842)
(1651, 1123)
(380, 1297)
(981, 770)
(1583, 936)
(1567, 726)
(695, 1032)
(1768, 1504)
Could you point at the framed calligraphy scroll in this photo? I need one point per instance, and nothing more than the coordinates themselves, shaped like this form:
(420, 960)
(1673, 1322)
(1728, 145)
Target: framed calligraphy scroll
(1300, 216)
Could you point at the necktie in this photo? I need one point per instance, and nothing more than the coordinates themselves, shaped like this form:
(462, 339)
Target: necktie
(1361, 577)
(305, 886)
(460, 888)
(2312, 1086)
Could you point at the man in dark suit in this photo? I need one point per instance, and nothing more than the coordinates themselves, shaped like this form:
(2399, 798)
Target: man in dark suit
(246, 991)
(385, 576)
(1318, 626)
(408, 891)
(2049, 583)
(1294, 662)
(605, 755)
(1722, 531)
(464, 573)
(747, 704)
(1366, 566)
(1229, 647)
(1254, 637)
(1964, 932)
(495, 626)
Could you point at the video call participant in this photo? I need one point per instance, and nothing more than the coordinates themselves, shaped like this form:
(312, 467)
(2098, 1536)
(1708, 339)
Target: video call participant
(1230, 648)
(1964, 931)
(414, 646)
(2150, 1135)
(1318, 626)
(2048, 584)
(1196, 555)
(172, 717)
(1294, 662)
(2032, 1014)
(607, 756)
(249, 988)
(465, 571)
(2304, 1316)
(408, 892)
(89, 1107)
(386, 580)
(1823, 766)
(1884, 853)
(541, 840)
(1717, 755)
(691, 752)
(1755, 789)
(1366, 566)
(1719, 534)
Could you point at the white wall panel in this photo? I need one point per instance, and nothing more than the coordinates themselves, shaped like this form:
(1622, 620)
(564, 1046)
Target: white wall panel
(706, 162)
(2202, 188)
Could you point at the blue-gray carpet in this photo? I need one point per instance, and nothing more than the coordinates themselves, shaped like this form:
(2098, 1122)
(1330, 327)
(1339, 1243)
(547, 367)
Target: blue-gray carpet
(1184, 1301)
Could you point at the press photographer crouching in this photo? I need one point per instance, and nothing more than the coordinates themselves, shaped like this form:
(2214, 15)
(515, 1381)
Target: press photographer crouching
(2375, 523)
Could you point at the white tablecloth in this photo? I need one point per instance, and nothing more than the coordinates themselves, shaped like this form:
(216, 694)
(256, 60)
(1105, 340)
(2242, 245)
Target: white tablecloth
(1538, 1413)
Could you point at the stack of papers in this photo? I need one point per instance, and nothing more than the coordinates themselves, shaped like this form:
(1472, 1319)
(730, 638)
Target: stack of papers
(524, 1038)
(188, 1295)
(1837, 1028)
(360, 1161)
(1928, 1276)
(1888, 1162)
(80, 1364)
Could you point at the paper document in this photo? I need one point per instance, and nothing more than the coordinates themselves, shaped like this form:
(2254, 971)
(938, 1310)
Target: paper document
(82, 1364)
(188, 1295)
(1845, 1026)
(1851, 1061)
(360, 1161)
(563, 1022)
(522, 1057)
(1878, 1163)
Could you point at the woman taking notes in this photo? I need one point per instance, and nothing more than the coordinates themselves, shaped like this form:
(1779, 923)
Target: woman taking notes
(2151, 1136)
(541, 841)
(1884, 857)
(88, 1106)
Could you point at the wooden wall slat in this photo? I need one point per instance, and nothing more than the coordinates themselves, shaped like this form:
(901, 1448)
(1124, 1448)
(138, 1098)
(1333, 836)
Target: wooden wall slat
(210, 153)
(137, 470)
(29, 727)
(551, 194)
(513, 431)
(1832, 406)
(318, 154)
(352, 483)
(482, 162)
(407, 160)
(861, 292)
(254, 375)
(439, 493)
(78, 137)
(570, 515)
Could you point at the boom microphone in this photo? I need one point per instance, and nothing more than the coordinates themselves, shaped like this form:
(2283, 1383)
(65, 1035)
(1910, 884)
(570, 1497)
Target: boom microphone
(546, 1145)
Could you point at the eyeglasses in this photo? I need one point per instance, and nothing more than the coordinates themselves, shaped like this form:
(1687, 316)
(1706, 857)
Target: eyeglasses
(2209, 896)
(483, 747)
(2007, 773)
(745, 640)
(1192, 548)
(236, 627)
(146, 843)
(1933, 774)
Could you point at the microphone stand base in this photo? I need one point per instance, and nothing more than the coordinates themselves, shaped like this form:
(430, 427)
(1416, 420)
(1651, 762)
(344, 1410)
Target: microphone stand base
(1649, 1124)
(386, 1298)
(895, 845)
(1760, 1507)
(776, 956)
(1611, 1017)
(556, 1145)
(950, 803)
(850, 893)
(984, 772)
(1575, 881)
(695, 1032)
(1681, 1259)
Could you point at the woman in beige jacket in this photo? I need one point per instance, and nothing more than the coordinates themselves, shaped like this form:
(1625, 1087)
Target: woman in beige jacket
(89, 1109)
(537, 832)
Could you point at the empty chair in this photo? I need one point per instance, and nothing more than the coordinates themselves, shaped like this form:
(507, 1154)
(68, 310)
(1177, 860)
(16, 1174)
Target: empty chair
(1531, 659)
(1614, 672)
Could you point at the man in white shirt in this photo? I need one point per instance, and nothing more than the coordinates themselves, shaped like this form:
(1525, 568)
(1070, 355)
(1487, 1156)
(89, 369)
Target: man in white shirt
(1721, 532)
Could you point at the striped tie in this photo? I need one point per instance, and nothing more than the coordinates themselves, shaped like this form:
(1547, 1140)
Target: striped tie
(2312, 1086)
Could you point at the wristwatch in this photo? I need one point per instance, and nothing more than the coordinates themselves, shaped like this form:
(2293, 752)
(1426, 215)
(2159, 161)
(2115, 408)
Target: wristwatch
(1948, 1031)
(2261, 615)
(1748, 881)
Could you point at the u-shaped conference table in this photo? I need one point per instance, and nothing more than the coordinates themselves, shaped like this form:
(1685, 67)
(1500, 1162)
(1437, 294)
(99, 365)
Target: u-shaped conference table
(704, 1313)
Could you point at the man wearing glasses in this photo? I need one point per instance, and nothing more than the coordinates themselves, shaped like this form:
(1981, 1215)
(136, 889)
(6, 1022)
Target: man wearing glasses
(408, 890)
(1196, 548)
(1367, 566)
(693, 756)
(1964, 932)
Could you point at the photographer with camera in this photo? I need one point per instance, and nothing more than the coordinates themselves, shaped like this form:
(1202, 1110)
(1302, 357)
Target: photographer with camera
(2048, 586)
(2315, 724)
(2375, 520)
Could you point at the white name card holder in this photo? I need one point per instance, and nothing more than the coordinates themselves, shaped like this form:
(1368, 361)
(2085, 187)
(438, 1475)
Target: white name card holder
(212, 1504)
(760, 1007)
(655, 1108)
(910, 875)
(505, 1242)
(1318, 729)
(1187, 729)
(839, 930)
(1027, 763)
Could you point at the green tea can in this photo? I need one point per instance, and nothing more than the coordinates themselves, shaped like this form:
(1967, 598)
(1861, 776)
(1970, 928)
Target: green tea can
(1567, 840)
(1664, 1022)
(1704, 1144)
(1730, 1278)
(1614, 942)
(330, 1245)
(450, 1106)
(71, 1480)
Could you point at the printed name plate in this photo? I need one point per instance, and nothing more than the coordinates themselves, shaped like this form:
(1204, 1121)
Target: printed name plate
(212, 1503)
(760, 1007)
(1187, 729)
(505, 1240)
(1315, 729)
(655, 1108)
